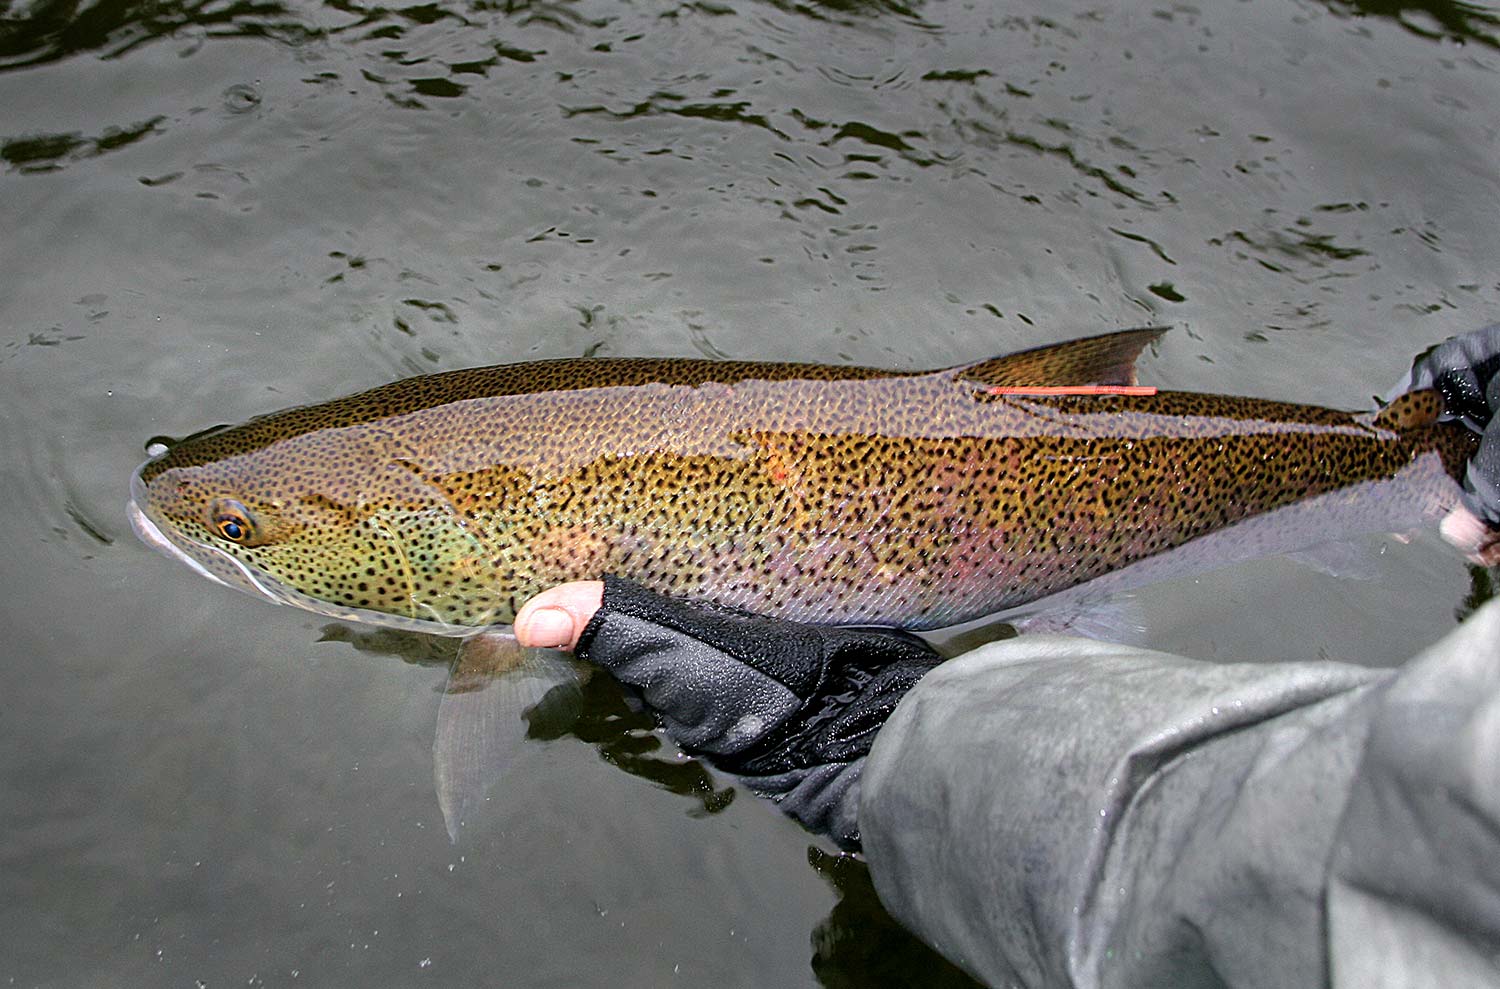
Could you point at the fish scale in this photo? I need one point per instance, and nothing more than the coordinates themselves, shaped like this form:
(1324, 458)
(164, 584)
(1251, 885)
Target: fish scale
(815, 493)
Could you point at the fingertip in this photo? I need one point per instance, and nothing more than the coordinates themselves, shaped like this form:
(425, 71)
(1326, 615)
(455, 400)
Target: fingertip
(1472, 536)
(555, 617)
(545, 628)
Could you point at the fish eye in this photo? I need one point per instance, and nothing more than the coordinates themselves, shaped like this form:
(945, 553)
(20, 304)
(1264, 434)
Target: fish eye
(233, 521)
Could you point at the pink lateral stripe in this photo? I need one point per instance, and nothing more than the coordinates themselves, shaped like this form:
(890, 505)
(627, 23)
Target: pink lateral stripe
(1072, 390)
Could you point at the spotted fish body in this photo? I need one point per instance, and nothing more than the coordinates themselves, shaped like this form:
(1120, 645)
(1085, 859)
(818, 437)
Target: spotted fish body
(820, 494)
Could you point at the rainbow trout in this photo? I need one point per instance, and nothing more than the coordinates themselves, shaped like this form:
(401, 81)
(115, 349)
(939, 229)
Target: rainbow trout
(840, 495)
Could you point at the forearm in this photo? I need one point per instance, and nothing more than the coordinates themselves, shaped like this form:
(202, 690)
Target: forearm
(1061, 812)
(1055, 812)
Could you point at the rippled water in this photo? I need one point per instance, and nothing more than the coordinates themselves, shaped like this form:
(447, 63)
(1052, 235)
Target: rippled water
(214, 209)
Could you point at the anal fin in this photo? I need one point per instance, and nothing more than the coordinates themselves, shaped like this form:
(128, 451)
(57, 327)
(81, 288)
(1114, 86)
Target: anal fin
(499, 694)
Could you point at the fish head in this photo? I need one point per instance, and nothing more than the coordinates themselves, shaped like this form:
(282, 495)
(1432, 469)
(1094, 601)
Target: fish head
(340, 521)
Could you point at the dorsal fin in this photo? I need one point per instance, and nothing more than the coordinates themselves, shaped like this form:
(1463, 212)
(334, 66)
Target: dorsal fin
(1106, 359)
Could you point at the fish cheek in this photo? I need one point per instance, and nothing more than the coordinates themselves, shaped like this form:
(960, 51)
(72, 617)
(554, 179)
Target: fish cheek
(306, 568)
(356, 565)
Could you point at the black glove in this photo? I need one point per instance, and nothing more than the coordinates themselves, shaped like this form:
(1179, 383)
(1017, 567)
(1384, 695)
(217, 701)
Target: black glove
(1466, 370)
(790, 709)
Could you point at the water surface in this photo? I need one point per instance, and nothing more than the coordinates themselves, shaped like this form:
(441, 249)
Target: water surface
(215, 209)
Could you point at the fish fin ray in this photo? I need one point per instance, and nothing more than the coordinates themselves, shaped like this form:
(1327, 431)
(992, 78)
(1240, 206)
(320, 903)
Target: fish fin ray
(1106, 359)
(497, 698)
(1118, 618)
(1345, 560)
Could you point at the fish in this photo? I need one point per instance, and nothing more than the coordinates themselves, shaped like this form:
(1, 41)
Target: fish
(831, 495)
(814, 493)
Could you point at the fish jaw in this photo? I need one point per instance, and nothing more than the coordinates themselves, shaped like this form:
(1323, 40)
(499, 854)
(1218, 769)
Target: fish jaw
(213, 563)
(147, 532)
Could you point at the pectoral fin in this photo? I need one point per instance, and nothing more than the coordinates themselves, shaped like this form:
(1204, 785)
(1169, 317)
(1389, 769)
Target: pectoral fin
(499, 694)
(1117, 618)
(1345, 560)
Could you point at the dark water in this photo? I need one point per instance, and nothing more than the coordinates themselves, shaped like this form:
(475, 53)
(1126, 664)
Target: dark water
(213, 209)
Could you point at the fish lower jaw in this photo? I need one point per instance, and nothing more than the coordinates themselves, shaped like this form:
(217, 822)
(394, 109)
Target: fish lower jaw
(147, 532)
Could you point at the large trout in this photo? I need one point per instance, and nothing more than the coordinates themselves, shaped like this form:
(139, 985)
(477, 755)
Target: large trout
(822, 494)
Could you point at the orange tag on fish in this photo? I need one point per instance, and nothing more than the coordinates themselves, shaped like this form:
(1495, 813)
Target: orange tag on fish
(1145, 390)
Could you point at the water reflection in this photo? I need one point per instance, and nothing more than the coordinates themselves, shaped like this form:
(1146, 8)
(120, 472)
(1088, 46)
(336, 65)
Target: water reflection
(56, 29)
(844, 11)
(49, 152)
(859, 945)
(1435, 19)
(1482, 587)
(620, 731)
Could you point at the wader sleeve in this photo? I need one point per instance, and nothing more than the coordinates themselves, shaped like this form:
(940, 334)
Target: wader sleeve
(1058, 812)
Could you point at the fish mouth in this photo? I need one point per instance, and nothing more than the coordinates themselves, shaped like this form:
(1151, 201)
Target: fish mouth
(148, 532)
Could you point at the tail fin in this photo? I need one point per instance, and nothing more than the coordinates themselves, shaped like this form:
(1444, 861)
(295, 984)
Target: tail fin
(1412, 410)
(1456, 380)
(1424, 413)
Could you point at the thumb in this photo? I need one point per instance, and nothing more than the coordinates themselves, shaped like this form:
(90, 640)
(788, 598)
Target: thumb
(555, 618)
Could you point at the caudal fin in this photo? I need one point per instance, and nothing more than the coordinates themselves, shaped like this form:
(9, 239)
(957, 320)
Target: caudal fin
(1422, 416)
(1411, 410)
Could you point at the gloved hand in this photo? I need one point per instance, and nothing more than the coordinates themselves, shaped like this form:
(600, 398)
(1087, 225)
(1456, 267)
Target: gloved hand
(1466, 370)
(789, 709)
